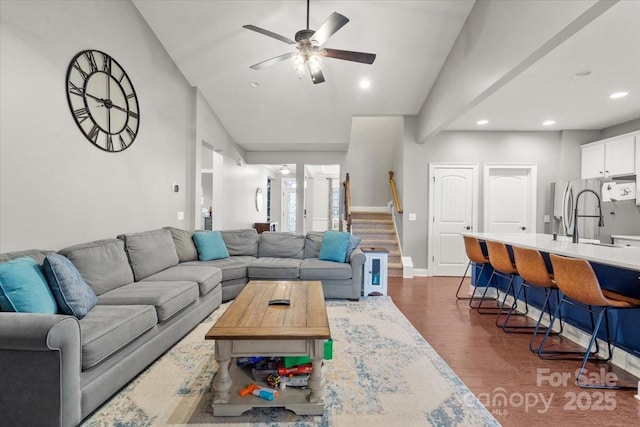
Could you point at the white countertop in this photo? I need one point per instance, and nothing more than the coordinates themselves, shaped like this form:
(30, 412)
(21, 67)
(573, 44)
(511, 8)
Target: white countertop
(618, 256)
(625, 236)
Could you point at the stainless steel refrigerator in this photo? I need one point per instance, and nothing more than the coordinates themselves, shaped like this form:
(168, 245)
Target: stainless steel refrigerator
(619, 217)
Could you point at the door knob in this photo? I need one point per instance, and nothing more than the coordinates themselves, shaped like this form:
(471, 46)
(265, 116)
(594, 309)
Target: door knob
(468, 227)
(523, 228)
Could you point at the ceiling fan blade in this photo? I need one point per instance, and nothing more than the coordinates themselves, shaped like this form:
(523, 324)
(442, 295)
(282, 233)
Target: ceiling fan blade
(272, 61)
(316, 77)
(347, 55)
(333, 23)
(269, 34)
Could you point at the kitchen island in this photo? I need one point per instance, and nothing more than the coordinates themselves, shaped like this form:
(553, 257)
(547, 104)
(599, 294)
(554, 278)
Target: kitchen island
(617, 269)
(616, 256)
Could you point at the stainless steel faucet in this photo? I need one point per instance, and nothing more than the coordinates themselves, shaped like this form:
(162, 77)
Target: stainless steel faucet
(575, 238)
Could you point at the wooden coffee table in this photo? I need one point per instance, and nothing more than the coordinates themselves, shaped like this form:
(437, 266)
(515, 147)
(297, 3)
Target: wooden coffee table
(252, 327)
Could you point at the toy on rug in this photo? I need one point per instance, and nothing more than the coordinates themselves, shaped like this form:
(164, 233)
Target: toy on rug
(262, 392)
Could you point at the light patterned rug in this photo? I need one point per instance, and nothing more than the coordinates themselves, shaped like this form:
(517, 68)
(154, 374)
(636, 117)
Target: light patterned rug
(383, 373)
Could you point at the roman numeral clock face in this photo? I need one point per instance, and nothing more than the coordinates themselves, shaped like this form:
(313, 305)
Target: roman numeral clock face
(102, 100)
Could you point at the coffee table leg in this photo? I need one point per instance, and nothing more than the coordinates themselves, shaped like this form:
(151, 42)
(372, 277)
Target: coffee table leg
(222, 381)
(316, 380)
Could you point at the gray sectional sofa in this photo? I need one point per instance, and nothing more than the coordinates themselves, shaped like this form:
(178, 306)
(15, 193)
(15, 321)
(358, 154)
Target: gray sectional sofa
(151, 289)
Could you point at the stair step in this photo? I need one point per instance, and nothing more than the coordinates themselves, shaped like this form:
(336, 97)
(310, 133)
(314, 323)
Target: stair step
(373, 231)
(370, 215)
(376, 230)
(394, 272)
(357, 228)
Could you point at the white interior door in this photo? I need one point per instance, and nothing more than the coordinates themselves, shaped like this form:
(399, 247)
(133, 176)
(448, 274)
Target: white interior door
(510, 199)
(453, 209)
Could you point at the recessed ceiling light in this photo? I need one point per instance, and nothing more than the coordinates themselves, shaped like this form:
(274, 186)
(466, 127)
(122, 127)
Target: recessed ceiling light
(548, 122)
(482, 122)
(617, 95)
(254, 84)
(365, 84)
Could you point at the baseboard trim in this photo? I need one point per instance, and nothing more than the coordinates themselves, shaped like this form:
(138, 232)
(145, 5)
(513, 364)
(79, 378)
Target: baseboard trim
(420, 272)
(407, 267)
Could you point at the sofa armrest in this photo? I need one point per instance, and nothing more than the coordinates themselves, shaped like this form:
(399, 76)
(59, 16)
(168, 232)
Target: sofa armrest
(357, 259)
(40, 361)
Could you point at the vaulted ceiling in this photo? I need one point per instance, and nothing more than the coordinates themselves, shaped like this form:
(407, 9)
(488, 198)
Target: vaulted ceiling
(273, 110)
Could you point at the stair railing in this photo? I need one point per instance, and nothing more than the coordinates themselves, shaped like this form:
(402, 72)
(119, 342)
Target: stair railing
(347, 202)
(394, 192)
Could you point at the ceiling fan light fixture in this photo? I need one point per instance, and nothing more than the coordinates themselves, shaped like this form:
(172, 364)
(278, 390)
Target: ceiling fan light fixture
(284, 170)
(314, 62)
(298, 62)
(309, 44)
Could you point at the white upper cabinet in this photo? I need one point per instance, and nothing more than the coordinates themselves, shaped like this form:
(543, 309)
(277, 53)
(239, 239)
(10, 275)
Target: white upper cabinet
(637, 169)
(613, 157)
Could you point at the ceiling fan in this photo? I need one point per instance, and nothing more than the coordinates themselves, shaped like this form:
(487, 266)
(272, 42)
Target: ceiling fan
(310, 47)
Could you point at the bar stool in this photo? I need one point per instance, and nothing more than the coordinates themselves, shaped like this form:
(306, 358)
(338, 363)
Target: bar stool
(476, 257)
(533, 270)
(579, 284)
(503, 266)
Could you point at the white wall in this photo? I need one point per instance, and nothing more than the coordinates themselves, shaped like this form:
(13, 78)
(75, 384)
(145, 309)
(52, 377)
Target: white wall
(542, 148)
(630, 126)
(370, 158)
(56, 188)
(241, 183)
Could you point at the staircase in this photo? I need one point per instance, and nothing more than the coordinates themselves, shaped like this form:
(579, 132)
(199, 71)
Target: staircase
(377, 231)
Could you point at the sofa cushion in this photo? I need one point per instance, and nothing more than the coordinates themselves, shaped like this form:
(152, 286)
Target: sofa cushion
(150, 252)
(354, 242)
(108, 328)
(334, 246)
(234, 267)
(73, 295)
(183, 240)
(36, 254)
(206, 276)
(316, 269)
(167, 297)
(241, 242)
(274, 268)
(281, 245)
(103, 264)
(312, 243)
(23, 288)
(210, 245)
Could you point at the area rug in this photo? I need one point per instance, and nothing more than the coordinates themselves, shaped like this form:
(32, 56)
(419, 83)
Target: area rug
(383, 373)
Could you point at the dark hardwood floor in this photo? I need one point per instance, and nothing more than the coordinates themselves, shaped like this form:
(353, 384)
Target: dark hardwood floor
(499, 367)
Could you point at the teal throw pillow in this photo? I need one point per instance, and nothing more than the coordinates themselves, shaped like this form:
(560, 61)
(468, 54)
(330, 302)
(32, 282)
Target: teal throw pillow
(72, 293)
(354, 242)
(210, 245)
(24, 289)
(334, 246)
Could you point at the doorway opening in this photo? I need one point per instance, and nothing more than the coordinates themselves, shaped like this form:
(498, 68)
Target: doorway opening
(289, 204)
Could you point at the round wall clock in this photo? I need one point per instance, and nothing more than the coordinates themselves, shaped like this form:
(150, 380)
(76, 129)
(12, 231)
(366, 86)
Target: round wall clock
(102, 100)
(259, 199)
